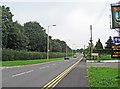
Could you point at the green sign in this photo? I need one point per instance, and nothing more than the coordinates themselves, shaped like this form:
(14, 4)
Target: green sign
(115, 8)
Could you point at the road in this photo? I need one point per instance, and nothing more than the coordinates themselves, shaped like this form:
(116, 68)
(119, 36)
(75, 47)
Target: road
(76, 79)
(35, 75)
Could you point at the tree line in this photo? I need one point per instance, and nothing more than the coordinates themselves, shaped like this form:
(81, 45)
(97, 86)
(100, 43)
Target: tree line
(30, 36)
(99, 48)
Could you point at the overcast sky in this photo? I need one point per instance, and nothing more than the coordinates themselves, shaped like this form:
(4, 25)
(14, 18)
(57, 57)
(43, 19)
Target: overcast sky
(71, 17)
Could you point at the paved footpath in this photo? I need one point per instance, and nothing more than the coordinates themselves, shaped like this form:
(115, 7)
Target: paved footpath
(76, 78)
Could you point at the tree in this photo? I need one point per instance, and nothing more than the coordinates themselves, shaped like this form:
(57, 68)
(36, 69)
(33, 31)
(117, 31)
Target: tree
(37, 36)
(13, 36)
(98, 45)
(56, 47)
(6, 24)
(30, 36)
(16, 37)
(109, 43)
(63, 46)
(89, 49)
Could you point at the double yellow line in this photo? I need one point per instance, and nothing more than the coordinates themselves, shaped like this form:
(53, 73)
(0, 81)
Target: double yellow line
(58, 78)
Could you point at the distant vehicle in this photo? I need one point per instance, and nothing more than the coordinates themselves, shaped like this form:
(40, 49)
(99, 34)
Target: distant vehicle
(66, 58)
(74, 56)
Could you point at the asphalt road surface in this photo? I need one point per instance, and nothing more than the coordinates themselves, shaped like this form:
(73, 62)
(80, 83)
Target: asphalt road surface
(77, 78)
(35, 75)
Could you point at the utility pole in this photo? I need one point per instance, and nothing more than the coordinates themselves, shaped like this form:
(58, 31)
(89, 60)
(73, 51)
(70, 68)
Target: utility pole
(91, 41)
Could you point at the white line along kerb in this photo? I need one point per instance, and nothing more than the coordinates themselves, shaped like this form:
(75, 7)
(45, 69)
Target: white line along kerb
(22, 73)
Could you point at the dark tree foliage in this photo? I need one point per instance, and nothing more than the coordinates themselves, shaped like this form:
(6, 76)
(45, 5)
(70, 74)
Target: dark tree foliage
(13, 36)
(31, 36)
(109, 43)
(98, 45)
(37, 36)
(6, 24)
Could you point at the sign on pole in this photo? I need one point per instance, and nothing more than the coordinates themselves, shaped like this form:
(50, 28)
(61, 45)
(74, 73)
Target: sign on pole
(115, 8)
(116, 40)
(115, 51)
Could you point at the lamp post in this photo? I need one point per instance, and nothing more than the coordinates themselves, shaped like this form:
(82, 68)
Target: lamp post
(48, 42)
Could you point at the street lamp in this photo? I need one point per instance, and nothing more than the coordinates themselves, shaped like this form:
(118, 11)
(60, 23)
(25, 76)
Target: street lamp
(48, 42)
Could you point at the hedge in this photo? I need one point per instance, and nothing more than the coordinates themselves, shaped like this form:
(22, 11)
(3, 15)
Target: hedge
(11, 55)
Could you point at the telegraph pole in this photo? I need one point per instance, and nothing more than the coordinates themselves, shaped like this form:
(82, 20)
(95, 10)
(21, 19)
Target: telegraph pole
(91, 41)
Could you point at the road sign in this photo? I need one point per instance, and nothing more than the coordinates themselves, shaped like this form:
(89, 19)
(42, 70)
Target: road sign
(115, 51)
(95, 54)
(116, 40)
(115, 8)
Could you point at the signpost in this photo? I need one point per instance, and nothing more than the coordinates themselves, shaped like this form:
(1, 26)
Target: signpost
(115, 8)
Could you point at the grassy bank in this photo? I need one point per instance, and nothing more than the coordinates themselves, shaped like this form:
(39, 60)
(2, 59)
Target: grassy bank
(27, 62)
(103, 77)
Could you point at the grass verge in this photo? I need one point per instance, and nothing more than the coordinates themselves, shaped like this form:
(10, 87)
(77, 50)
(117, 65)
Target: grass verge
(107, 57)
(103, 77)
(27, 62)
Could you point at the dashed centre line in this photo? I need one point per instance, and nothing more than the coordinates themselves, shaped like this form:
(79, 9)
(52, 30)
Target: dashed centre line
(53, 64)
(22, 73)
(44, 67)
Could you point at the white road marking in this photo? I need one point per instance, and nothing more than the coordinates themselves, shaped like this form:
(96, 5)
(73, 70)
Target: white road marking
(53, 64)
(44, 67)
(22, 73)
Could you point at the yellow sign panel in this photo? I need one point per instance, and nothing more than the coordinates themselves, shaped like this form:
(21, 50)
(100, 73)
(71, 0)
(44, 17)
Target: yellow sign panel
(115, 51)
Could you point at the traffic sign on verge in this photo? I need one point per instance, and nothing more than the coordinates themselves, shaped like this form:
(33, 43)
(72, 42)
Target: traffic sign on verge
(115, 51)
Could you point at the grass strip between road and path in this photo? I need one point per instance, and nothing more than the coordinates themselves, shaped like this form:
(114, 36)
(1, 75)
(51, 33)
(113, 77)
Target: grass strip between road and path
(103, 77)
(27, 62)
(107, 57)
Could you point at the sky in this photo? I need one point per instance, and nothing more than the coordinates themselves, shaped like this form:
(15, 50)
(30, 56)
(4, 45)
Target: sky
(71, 17)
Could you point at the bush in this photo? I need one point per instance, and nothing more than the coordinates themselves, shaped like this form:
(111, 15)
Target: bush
(11, 55)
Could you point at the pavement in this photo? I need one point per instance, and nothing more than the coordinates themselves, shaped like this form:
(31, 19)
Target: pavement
(77, 78)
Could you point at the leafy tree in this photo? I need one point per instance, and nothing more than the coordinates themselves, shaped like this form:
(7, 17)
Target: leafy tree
(56, 47)
(16, 37)
(109, 43)
(31, 36)
(98, 45)
(37, 36)
(6, 24)
(13, 36)
(63, 45)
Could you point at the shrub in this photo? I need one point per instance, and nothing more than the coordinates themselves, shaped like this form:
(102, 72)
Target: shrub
(11, 55)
